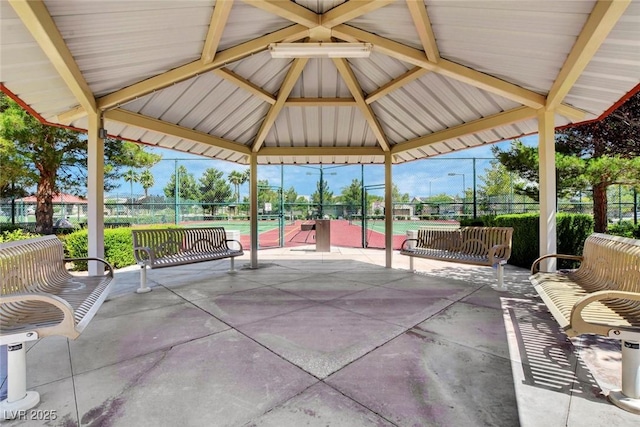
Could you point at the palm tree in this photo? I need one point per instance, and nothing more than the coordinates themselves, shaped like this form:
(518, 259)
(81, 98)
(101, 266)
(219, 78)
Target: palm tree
(131, 176)
(147, 181)
(237, 178)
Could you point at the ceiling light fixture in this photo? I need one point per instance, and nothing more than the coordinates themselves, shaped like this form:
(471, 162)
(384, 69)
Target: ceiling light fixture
(320, 50)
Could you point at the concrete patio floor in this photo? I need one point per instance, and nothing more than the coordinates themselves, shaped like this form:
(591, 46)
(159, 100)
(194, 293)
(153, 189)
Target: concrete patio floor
(325, 339)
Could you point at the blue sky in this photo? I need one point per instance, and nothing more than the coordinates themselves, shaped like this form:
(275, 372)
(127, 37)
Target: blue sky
(418, 178)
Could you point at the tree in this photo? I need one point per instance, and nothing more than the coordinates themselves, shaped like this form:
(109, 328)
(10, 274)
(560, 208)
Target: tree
(131, 176)
(290, 196)
(597, 154)
(237, 178)
(321, 196)
(351, 197)
(188, 188)
(53, 159)
(214, 189)
(396, 196)
(147, 181)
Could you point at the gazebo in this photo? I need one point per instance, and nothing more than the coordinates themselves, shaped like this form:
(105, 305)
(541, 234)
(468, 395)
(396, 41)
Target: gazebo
(319, 82)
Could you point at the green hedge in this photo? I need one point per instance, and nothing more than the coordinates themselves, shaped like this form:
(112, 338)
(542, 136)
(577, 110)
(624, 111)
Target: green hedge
(625, 229)
(572, 230)
(118, 247)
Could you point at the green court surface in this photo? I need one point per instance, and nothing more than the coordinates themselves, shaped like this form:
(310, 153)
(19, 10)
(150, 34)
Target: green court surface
(401, 227)
(242, 226)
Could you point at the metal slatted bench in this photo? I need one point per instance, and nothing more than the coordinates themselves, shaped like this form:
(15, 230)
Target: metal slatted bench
(602, 297)
(490, 246)
(41, 298)
(157, 248)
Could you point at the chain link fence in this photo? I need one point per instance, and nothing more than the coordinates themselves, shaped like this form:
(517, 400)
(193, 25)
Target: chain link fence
(426, 193)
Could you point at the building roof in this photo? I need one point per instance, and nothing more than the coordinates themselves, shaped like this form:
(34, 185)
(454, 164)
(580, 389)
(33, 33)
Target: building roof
(196, 75)
(57, 198)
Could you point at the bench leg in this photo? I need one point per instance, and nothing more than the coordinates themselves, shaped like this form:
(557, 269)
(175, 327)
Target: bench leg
(501, 276)
(143, 289)
(411, 265)
(629, 397)
(18, 398)
(233, 268)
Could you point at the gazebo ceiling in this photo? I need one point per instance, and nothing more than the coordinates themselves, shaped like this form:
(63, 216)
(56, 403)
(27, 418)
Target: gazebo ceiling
(196, 76)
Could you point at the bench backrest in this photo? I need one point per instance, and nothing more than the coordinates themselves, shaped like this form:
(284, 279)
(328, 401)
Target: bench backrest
(478, 240)
(29, 264)
(446, 240)
(610, 262)
(172, 241)
(469, 240)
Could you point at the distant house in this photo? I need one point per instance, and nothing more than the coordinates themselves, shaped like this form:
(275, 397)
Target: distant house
(72, 204)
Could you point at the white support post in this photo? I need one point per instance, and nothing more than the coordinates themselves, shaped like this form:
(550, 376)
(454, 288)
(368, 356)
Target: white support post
(233, 268)
(95, 192)
(143, 289)
(547, 173)
(18, 398)
(253, 196)
(500, 272)
(388, 210)
(629, 397)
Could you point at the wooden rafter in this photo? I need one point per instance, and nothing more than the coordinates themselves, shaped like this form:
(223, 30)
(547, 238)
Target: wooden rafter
(288, 10)
(320, 102)
(287, 86)
(483, 124)
(444, 67)
(155, 125)
(245, 84)
(356, 91)
(36, 19)
(295, 32)
(397, 83)
(351, 10)
(320, 151)
(423, 26)
(216, 27)
(603, 18)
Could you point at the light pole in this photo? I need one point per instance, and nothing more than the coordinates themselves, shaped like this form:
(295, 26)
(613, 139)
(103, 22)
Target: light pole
(464, 188)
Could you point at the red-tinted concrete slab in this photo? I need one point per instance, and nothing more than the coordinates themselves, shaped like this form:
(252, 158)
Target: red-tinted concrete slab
(422, 380)
(321, 339)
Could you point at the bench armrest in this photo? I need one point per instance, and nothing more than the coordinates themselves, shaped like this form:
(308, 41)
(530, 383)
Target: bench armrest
(402, 247)
(534, 266)
(236, 241)
(578, 323)
(150, 255)
(68, 320)
(109, 266)
(502, 252)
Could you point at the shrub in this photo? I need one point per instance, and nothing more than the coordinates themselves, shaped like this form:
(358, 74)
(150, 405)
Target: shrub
(16, 234)
(118, 247)
(572, 231)
(625, 229)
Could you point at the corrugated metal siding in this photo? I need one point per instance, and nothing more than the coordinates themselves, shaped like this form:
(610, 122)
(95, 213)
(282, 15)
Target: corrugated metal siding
(319, 6)
(377, 70)
(393, 22)
(116, 44)
(262, 71)
(27, 72)
(320, 127)
(320, 79)
(314, 160)
(246, 23)
(614, 68)
(522, 42)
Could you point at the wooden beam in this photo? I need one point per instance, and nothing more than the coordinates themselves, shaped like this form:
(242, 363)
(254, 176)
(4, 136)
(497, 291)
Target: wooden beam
(602, 19)
(155, 125)
(397, 83)
(350, 10)
(288, 10)
(216, 27)
(245, 84)
(320, 151)
(136, 90)
(354, 87)
(572, 113)
(35, 17)
(287, 86)
(444, 67)
(71, 116)
(501, 119)
(423, 26)
(320, 102)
